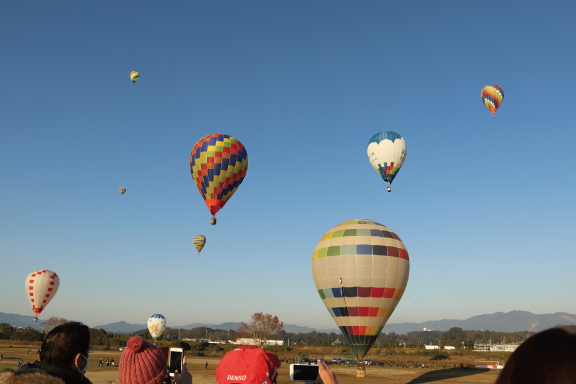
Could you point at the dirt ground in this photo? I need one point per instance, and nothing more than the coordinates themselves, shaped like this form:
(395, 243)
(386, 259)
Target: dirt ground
(196, 366)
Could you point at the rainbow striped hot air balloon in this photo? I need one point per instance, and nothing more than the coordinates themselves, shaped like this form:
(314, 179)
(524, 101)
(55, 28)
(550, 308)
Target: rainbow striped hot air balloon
(134, 76)
(492, 96)
(218, 164)
(199, 242)
(360, 269)
(122, 191)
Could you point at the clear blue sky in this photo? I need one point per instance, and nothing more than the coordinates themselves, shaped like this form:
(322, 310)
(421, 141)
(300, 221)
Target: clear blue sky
(485, 206)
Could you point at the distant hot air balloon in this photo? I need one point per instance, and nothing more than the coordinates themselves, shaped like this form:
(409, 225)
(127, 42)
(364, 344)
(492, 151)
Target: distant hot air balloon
(134, 76)
(41, 286)
(218, 164)
(122, 191)
(492, 96)
(199, 242)
(387, 152)
(360, 269)
(156, 325)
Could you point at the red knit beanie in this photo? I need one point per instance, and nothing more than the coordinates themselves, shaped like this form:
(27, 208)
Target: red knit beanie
(142, 363)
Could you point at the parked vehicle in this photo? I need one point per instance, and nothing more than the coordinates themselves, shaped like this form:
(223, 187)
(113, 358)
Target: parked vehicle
(320, 359)
(349, 362)
(199, 354)
(336, 360)
(368, 361)
(305, 360)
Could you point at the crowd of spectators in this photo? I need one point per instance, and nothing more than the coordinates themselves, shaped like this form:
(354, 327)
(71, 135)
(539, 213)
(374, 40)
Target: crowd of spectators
(545, 358)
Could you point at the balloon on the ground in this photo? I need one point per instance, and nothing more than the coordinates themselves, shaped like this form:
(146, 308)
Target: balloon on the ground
(134, 76)
(41, 286)
(156, 325)
(122, 191)
(492, 96)
(360, 269)
(199, 242)
(387, 152)
(218, 164)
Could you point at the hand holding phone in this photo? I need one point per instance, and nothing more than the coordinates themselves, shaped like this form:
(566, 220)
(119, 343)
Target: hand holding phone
(326, 376)
(175, 360)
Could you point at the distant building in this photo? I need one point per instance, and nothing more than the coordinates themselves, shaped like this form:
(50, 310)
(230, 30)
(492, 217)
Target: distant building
(449, 347)
(337, 342)
(247, 341)
(496, 347)
(432, 346)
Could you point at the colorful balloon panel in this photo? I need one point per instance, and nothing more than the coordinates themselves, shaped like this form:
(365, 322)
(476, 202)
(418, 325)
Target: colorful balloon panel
(156, 325)
(41, 285)
(122, 191)
(199, 242)
(492, 96)
(134, 76)
(218, 164)
(387, 153)
(360, 269)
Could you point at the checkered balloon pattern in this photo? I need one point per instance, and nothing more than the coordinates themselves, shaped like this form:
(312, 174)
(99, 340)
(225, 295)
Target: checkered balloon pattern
(41, 285)
(218, 164)
(360, 270)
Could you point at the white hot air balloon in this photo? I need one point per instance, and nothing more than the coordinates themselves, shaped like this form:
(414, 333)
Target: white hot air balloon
(156, 325)
(41, 286)
(387, 152)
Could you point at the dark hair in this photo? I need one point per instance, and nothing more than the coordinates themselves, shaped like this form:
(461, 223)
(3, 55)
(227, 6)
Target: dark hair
(545, 358)
(64, 342)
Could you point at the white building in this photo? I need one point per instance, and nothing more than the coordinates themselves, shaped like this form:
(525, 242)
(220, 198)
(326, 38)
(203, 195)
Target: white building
(432, 346)
(258, 342)
(449, 347)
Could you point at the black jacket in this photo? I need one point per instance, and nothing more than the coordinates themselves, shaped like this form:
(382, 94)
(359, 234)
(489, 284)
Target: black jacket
(67, 374)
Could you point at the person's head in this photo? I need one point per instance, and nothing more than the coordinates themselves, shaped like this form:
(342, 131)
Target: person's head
(545, 358)
(142, 362)
(67, 344)
(247, 365)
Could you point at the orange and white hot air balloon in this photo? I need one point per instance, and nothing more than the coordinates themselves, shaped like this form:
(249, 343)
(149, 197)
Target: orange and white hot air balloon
(41, 286)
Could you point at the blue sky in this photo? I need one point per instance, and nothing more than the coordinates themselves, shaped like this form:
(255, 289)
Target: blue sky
(485, 206)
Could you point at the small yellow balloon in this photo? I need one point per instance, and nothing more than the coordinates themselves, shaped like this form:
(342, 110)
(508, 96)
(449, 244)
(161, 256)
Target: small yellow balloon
(199, 242)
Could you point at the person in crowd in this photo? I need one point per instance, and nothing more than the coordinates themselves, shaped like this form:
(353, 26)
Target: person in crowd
(29, 351)
(29, 378)
(20, 361)
(545, 358)
(143, 362)
(112, 362)
(206, 365)
(107, 362)
(64, 354)
(101, 363)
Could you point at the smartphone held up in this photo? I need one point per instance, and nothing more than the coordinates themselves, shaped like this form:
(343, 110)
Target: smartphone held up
(304, 372)
(175, 360)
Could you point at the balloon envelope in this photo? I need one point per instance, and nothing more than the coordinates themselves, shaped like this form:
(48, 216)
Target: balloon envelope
(199, 242)
(360, 270)
(387, 152)
(41, 285)
(218, 164)
(156, 325)
(122, 191)
(492, 96)
(134, 76)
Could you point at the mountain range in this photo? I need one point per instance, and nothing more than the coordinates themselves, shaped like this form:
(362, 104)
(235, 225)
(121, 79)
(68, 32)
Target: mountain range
(502, 322)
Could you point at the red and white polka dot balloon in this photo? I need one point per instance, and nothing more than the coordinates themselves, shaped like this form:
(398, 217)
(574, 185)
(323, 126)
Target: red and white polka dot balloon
(41, 286)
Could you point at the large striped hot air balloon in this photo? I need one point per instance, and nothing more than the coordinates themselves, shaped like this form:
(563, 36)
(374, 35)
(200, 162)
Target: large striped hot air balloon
(492, 96)
(41, 286)
(134, 76)
(387, 152)
(218, 164)
(360, 269)
(199, 242)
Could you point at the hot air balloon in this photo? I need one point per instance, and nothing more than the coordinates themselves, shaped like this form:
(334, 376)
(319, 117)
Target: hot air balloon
(41, 285)
(122, 191)
(199, 242)
(134, 76)
(360, 270)
(218, 164)
(387, 152)
(156, 325)
(492, 96)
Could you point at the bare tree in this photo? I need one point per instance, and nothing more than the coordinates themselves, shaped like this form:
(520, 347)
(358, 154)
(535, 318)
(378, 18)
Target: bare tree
(52, 322)
(262, 327)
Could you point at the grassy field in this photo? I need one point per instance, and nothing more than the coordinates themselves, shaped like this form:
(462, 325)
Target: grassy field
(345, 375)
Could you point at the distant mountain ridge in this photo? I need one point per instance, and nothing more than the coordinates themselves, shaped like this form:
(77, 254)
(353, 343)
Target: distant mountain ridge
(501, 322)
